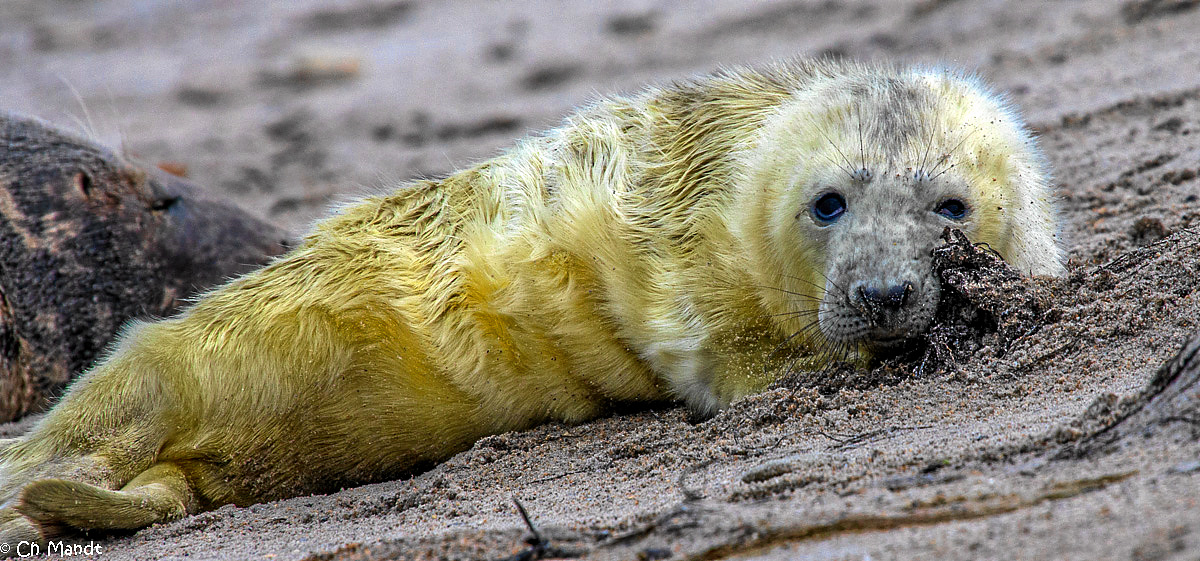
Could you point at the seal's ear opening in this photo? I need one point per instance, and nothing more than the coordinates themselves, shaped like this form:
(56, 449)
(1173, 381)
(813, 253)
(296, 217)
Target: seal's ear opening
(83, 182)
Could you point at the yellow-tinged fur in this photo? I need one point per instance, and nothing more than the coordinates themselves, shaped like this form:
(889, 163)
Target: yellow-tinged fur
(653, 247)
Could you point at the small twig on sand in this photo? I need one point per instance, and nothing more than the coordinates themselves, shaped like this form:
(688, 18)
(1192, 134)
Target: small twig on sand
(847, 441)
(537, 540)
(537, 545)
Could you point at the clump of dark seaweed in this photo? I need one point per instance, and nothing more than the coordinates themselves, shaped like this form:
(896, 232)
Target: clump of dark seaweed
(985, 303)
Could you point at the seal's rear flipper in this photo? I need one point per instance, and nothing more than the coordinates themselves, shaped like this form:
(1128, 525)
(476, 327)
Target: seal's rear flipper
(15, 528)
(159, 494)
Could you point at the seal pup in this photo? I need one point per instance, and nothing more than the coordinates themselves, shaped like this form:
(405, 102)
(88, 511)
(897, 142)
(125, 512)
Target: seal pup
(690, 242)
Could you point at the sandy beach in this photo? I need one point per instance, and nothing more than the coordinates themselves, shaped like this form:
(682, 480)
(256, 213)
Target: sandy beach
(288, 108)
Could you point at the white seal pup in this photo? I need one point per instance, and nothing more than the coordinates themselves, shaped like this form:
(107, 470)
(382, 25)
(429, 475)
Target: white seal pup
(689, 242)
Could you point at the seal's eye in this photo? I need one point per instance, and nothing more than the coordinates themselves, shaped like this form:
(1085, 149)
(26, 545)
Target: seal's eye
(828, 208)
(953, 209)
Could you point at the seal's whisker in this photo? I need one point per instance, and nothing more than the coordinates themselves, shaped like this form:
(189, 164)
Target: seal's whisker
(955, 149)
(945, 156)
(833, 162)
(817, 351)
(840, 289)
(786, 291)
(826, 350)
(862, 151)
(795, 313)
(813, 339)
(930, 128)
(785, 343)
(798, 298)
(849, 166)
(808, 282)
(834, 352)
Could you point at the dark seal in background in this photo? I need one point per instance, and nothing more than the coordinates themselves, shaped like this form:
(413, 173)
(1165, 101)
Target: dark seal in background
(89, 241)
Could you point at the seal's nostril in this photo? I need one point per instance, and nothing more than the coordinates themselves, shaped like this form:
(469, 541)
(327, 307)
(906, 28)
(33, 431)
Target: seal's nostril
(870, 294)
(897, 295)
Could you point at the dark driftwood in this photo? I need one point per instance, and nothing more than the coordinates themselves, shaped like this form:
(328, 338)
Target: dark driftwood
(89, 241)
(1169, 402)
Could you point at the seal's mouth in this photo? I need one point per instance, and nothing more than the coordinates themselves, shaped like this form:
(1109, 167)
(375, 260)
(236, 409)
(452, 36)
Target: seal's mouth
(887, 347)
(846, 326)
(873, 321)
(890, 340)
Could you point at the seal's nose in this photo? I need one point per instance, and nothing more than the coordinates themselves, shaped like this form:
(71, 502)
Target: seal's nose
(880, 297)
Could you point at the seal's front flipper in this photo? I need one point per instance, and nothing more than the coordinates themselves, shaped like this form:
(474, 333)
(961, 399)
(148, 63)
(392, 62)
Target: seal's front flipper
(159, 494)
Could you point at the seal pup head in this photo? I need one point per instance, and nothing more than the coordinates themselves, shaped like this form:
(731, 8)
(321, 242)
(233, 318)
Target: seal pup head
(854, 179)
